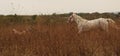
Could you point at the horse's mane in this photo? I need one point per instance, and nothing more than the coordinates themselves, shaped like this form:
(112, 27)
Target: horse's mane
(79, 17)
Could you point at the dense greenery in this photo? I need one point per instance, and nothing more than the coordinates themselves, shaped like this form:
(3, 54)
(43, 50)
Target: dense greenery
(54, 18)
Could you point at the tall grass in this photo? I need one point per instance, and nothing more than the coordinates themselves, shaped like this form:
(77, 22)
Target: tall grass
(58, 39)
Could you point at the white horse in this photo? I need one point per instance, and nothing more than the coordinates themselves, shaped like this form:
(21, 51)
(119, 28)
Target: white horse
(86, 25)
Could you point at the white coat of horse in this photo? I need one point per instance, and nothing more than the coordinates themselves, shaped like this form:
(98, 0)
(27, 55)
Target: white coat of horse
(86, 25)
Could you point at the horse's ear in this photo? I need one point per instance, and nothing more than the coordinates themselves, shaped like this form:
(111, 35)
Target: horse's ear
(71, 13)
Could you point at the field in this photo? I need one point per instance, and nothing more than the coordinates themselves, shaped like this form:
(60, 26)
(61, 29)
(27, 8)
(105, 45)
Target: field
(51, 37)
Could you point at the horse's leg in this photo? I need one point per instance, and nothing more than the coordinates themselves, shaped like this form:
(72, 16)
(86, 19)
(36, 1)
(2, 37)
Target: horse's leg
(79, 30)
(106, 27)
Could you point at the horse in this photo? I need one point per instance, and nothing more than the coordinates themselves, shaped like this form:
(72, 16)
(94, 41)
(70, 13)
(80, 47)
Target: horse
(86, 25)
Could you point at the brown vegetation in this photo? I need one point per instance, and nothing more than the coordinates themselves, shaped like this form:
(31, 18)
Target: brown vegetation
(57, 39)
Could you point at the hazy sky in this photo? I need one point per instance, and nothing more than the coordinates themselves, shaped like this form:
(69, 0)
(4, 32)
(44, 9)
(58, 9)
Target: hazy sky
(57, 6)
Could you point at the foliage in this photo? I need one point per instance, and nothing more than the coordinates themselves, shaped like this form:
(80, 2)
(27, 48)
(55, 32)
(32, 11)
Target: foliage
(54, 18)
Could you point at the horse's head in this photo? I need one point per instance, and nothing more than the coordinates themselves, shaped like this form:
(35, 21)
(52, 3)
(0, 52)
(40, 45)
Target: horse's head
(71, 18)
(76, 18)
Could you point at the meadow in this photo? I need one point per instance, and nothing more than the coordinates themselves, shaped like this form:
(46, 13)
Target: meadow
(51, 35)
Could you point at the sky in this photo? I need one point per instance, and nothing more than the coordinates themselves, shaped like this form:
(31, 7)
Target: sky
(30, 7)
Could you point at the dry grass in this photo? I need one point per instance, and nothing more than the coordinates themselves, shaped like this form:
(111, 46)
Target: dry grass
(60, 39)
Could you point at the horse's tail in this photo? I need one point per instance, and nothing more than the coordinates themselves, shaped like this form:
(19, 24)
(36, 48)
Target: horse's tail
(112, 23)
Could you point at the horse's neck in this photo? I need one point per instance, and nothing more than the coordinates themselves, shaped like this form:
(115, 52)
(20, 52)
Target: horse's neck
(80, 19)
